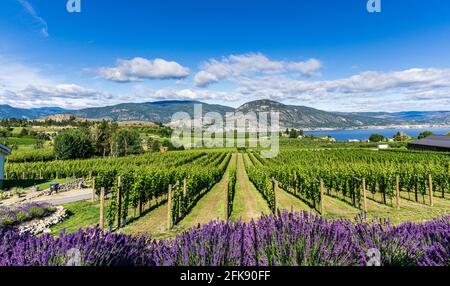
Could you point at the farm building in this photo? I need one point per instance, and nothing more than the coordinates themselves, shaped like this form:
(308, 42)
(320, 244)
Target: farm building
(431, 143)
(4, 151)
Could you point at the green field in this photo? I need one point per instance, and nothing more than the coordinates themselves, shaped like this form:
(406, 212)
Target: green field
(81, 215)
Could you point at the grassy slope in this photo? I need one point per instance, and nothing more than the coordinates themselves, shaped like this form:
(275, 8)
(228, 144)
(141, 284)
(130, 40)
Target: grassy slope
(335, 208)
(409, 211)
(153, 223)
(83, 214)
(248, 202)
(286, 201)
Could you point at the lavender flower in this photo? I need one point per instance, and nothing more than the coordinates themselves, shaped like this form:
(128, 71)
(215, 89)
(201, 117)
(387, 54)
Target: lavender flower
(282, 239)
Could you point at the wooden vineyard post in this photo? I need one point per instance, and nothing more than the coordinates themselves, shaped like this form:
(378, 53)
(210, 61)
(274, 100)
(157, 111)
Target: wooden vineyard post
(169, 208)
(430, 186)
(353, 192)
(364, 194)
(415, 190)
(321, 197)
(397, 188)
(119, 201)
(102, 207)
(274, 188)
(93, 189)
(227, 183)
(443, 191)
(295, 184)
(185, 203)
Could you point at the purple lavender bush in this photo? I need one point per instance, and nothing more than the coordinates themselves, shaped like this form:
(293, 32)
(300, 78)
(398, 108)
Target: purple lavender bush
(15, 215)
(284, 239)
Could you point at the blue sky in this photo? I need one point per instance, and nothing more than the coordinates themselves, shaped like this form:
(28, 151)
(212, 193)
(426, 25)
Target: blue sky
(328, 54)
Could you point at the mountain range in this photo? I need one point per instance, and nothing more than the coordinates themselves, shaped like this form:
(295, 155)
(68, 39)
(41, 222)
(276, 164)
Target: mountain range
(290, 115)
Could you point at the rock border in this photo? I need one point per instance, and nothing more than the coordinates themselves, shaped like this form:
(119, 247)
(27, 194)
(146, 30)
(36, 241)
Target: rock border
(43, 225)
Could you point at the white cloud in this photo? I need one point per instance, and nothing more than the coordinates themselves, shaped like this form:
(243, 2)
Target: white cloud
(25, 86)
(365, 91)
(61, 95)
(234, 66)
(146, 94)
(15, 75)
(140, 68)
(308, 67)
(30, 10)
(203, 79)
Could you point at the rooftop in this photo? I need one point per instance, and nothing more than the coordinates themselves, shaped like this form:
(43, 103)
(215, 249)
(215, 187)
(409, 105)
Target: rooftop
(434, 140)
(4, 150)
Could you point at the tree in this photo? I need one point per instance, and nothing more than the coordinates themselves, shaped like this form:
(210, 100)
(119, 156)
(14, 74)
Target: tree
(126, 142)
(4, 133)
(23, 132)
(400, 136)
(42, 136)
(101, 135)
(425, 134)
(73, 144)
(293, 134)
(170, 146)
(376, 138)
(154, 147)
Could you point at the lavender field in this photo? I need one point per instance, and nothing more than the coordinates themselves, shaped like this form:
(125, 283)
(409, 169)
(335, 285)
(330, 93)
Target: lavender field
(12, 216)
(286, 239)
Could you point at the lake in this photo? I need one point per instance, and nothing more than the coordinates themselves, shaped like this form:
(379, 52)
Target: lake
(364, 134)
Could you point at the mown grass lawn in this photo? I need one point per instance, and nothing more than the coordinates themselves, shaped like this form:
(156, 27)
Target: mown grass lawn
(28, 140)
(82, 214)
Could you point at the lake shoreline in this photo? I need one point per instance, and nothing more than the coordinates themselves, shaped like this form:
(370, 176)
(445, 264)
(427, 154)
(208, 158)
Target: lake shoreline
(376, 127)
(364, 134)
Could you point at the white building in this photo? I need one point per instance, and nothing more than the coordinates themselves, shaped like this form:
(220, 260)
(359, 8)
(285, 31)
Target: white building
(4, 151)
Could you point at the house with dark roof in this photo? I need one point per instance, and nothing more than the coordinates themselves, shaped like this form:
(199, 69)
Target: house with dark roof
(4, 151)
(431, 143)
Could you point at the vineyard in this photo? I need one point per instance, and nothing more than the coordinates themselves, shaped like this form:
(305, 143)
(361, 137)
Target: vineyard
(354, 176)
(171, 188)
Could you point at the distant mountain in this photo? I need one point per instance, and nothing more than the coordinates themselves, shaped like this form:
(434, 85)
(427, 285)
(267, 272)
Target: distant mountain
(7, 111)
(160, 111)
(306, 117)
(409, 117)
(291, 116)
